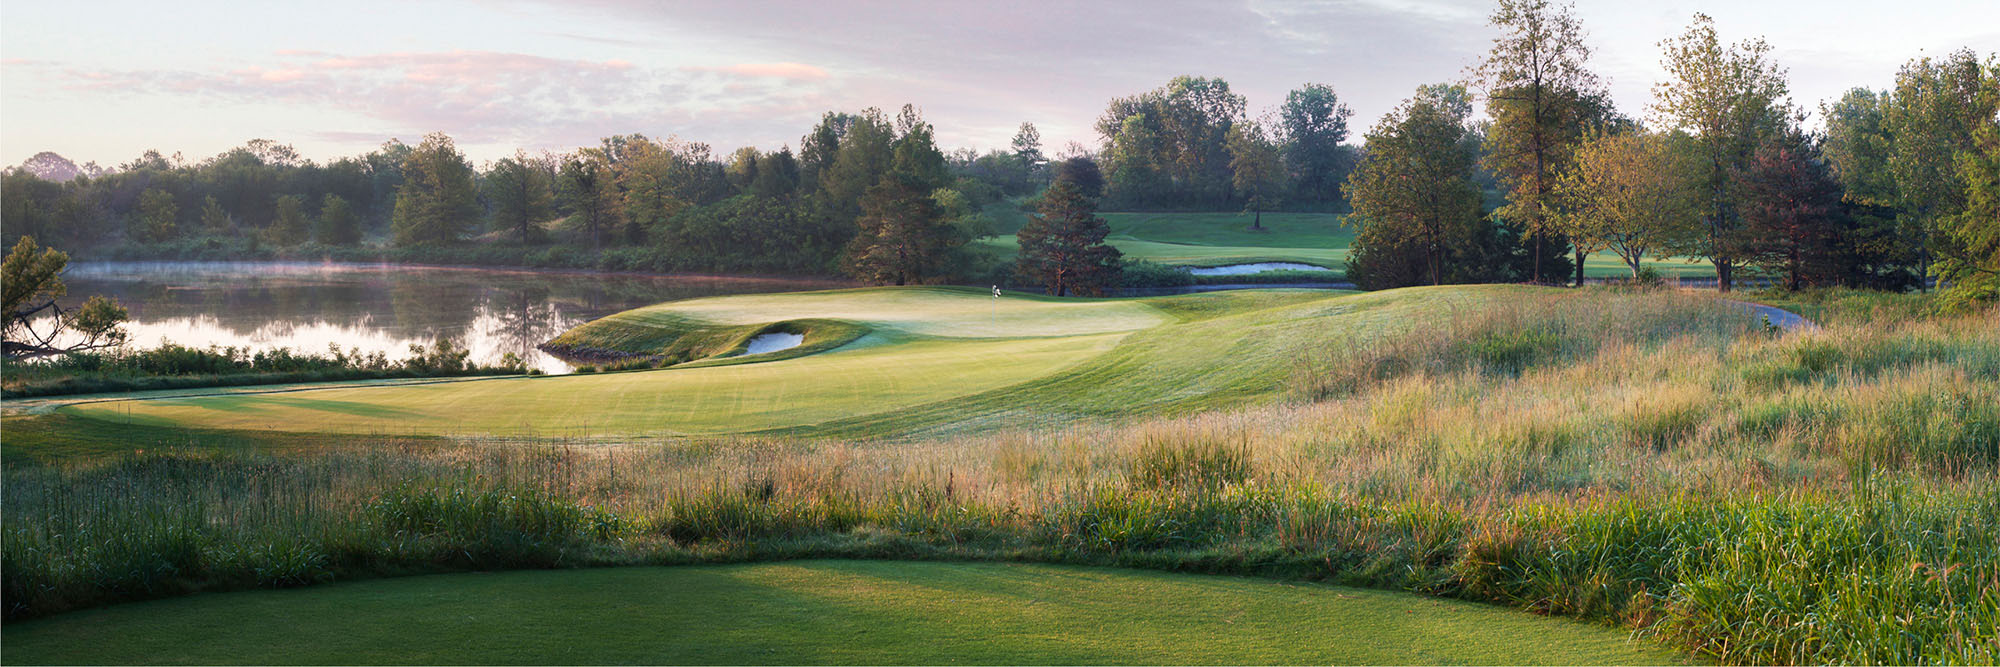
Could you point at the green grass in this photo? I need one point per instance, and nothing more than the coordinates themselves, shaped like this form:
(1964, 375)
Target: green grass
(931, 360)
(1216, 239)
(818, 612)
(1642, 459)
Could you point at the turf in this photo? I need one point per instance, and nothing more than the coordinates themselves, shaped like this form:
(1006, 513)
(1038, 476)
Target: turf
(923, 369)
(922, 345)
(1215, 239)
(817, 612)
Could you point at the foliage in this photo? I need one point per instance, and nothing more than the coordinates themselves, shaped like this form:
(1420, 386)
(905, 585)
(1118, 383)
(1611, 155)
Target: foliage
(1790, 204)
(1256, 170)
(288, 224)
(155, 220)
(1414, 190)
(337, 222)
(1166, 147)
(521, 192)
(1972, 270)
(1632, 192)
(1542, 99)
(1311, 126)
(437, 201)
(1731, 101)
(903, 237)
(38, 326)
(1062, 246)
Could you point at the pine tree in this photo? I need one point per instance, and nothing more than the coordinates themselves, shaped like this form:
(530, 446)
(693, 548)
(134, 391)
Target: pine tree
(1062, 246)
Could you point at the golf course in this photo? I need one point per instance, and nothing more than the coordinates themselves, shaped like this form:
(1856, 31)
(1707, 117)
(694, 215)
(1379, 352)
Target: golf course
(875, 362)
(1318, 239)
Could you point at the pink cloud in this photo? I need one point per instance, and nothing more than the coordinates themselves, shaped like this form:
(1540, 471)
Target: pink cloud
(789, 71)
(494, 97)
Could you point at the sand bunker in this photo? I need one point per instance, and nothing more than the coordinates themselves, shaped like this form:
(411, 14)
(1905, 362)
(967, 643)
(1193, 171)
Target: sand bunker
(772, 342)
(1260, 267)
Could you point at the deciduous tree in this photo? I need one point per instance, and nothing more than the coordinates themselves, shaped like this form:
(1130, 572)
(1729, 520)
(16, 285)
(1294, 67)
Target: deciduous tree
(1630, 192)
(1541, 97)
(1257, 170)
(437, 201)
(1414, 187)
(1730, 100)
(521, 191)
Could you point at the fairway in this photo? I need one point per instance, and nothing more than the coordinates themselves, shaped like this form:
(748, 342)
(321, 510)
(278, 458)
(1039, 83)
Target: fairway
(818, 612)
(1216, 239)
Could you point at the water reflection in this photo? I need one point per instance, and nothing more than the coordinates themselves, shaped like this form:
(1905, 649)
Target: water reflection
(381, 308)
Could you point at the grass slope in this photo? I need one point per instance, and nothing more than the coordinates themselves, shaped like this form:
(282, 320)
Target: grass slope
(817, 612)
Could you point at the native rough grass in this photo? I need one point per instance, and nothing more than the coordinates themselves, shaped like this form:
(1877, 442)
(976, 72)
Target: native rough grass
(1632, 458)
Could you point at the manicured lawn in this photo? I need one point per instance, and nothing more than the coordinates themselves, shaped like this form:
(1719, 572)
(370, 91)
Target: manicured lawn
(818, 612)
(1214, 239)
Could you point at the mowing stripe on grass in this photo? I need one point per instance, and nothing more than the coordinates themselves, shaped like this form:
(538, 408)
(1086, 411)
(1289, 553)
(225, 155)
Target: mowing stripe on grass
(818, 612)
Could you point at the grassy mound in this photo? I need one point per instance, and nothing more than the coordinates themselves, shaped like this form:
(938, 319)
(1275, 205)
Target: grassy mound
(817, 612)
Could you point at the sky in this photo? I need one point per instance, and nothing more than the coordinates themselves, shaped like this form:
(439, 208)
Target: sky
(198, 77)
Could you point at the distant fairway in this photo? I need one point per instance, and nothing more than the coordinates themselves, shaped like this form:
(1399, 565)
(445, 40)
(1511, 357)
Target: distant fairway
(1215, 239)
(818, 612)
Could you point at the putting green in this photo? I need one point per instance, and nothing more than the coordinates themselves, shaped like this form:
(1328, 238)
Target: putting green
(818, 612)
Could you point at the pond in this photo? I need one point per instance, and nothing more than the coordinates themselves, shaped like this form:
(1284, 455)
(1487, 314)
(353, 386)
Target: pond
(380, 308)
(1259, 267)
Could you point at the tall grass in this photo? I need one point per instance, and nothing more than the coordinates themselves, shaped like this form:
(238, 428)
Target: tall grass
(1615, 457)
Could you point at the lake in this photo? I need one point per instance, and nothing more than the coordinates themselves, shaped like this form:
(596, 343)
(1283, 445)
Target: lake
(376, 307)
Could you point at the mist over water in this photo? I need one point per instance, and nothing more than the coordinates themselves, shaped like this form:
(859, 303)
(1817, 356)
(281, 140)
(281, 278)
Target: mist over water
(378, 308)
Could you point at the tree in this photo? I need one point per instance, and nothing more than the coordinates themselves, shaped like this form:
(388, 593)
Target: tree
(522, 194)
(1083, 173)
(213, 218)
(337, 223)
(1730, 101)
(903, 236)
(1790, 201)
(1028, 147)
(1062, 245)
(1172, 143)
(156, 216)
(1414, 187)
(289, 227)
(31, 279)
(777, 176)
(1258, 173)
(436, 202)
(1856, 147)
(1312, 124)
(1971, 272)
(1627, 192)
(1541, 97)
(865, 153)
(589, 190)
(1936, 110)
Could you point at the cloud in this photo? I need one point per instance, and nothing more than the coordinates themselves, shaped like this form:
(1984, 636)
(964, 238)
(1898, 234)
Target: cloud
(791, 71)
(484, 97)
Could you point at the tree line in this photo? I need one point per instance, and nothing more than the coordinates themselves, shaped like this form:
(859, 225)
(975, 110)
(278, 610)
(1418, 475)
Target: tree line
(1899, 186)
